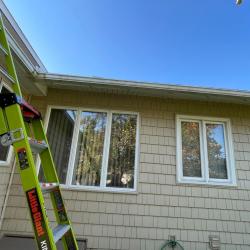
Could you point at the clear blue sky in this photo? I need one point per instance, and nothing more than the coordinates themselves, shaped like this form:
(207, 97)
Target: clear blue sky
(191, 42)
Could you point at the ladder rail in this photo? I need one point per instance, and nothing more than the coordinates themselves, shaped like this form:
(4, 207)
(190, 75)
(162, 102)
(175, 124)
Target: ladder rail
(51, 176)
(28, 172)
(16, 119)
(9, 60)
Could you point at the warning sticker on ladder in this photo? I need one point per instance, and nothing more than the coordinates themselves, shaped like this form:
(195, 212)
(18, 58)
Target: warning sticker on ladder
(22, 158)
(38, 220)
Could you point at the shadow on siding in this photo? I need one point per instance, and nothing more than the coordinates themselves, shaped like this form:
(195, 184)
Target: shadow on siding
(27, 243)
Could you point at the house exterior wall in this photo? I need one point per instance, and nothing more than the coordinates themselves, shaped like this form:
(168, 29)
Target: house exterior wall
(161, 207)
(5, 175)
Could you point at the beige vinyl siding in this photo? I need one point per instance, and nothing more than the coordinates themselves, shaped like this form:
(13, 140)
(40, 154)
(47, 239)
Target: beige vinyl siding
(161, 207)
(5, 172)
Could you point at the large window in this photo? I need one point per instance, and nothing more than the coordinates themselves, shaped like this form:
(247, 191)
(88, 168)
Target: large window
(5, 152)
(204, 151)
(94, 149)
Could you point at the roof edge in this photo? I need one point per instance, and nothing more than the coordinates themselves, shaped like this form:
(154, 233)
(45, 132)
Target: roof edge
(67, 80)
(20, 33)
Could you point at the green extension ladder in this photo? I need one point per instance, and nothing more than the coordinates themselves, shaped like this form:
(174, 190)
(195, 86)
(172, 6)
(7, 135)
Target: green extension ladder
(21, 126)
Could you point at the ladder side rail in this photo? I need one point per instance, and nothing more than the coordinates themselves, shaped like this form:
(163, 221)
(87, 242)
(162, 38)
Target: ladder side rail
(46, 156)
(12, 115)
(9, 60)
(30, 183)
(3, 123)
(50, 174)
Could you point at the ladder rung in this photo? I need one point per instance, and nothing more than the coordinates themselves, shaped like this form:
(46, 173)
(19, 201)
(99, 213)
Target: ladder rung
(48, 187)
(3, 49)
(59, 231)
(5, 73)
(37, 146)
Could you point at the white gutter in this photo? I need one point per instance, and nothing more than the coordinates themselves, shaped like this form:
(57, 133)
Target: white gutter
(69, 80)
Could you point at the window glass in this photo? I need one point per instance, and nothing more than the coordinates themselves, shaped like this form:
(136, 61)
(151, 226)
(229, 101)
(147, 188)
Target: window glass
(216, 151)
(59, 134)
(4, 90)
(121, 161)
(204, 151)
(3, 153)
(191, 156)
(89, 153)
(104, 146)
(4, 150)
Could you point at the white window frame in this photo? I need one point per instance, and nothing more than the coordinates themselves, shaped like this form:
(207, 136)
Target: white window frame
(10, 154)
(230, 161)
(107, 137)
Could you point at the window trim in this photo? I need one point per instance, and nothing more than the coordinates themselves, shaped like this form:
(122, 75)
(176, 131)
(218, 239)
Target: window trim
(205, 180)
(104, 169)
(10, 154)
(8, 158)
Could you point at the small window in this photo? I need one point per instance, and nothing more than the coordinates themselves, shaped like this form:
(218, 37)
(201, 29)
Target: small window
(94, 149)
(204, 151)
(4, 151)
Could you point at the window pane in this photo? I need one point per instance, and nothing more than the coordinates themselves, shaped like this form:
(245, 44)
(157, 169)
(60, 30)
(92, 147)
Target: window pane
(191, 158)
(4, 90)
(4, 150)
(88, 163)
(121, 162)
(59, 133)
(216, 151)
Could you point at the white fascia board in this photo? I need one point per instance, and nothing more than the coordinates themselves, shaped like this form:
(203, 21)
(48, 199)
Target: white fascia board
(16, 48)
(17, 29)
(69, 80)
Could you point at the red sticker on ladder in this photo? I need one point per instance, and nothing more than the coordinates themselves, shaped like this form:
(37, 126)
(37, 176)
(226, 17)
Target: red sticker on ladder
(38, 220)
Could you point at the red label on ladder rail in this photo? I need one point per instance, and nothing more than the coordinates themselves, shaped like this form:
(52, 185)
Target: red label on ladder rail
(38, 220)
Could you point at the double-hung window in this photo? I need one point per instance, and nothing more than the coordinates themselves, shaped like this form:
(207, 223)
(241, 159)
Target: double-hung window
(94, 149)
(204, 150)
(5, 152)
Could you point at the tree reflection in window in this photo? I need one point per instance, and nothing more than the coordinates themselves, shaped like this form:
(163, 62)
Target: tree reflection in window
(191, 158)
(121, 161)
(89, 153)
(216, 151)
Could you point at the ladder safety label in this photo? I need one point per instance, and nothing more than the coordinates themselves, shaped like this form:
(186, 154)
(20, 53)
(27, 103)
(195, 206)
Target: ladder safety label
(59, 205)
(22, 158)
(38, 219)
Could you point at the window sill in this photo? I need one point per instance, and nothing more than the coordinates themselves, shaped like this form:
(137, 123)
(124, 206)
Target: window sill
(4, 164)
(98, 189)
(10, 159)
(203, 183)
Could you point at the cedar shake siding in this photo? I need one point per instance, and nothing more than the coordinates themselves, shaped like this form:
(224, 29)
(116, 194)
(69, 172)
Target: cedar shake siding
(160, 206)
